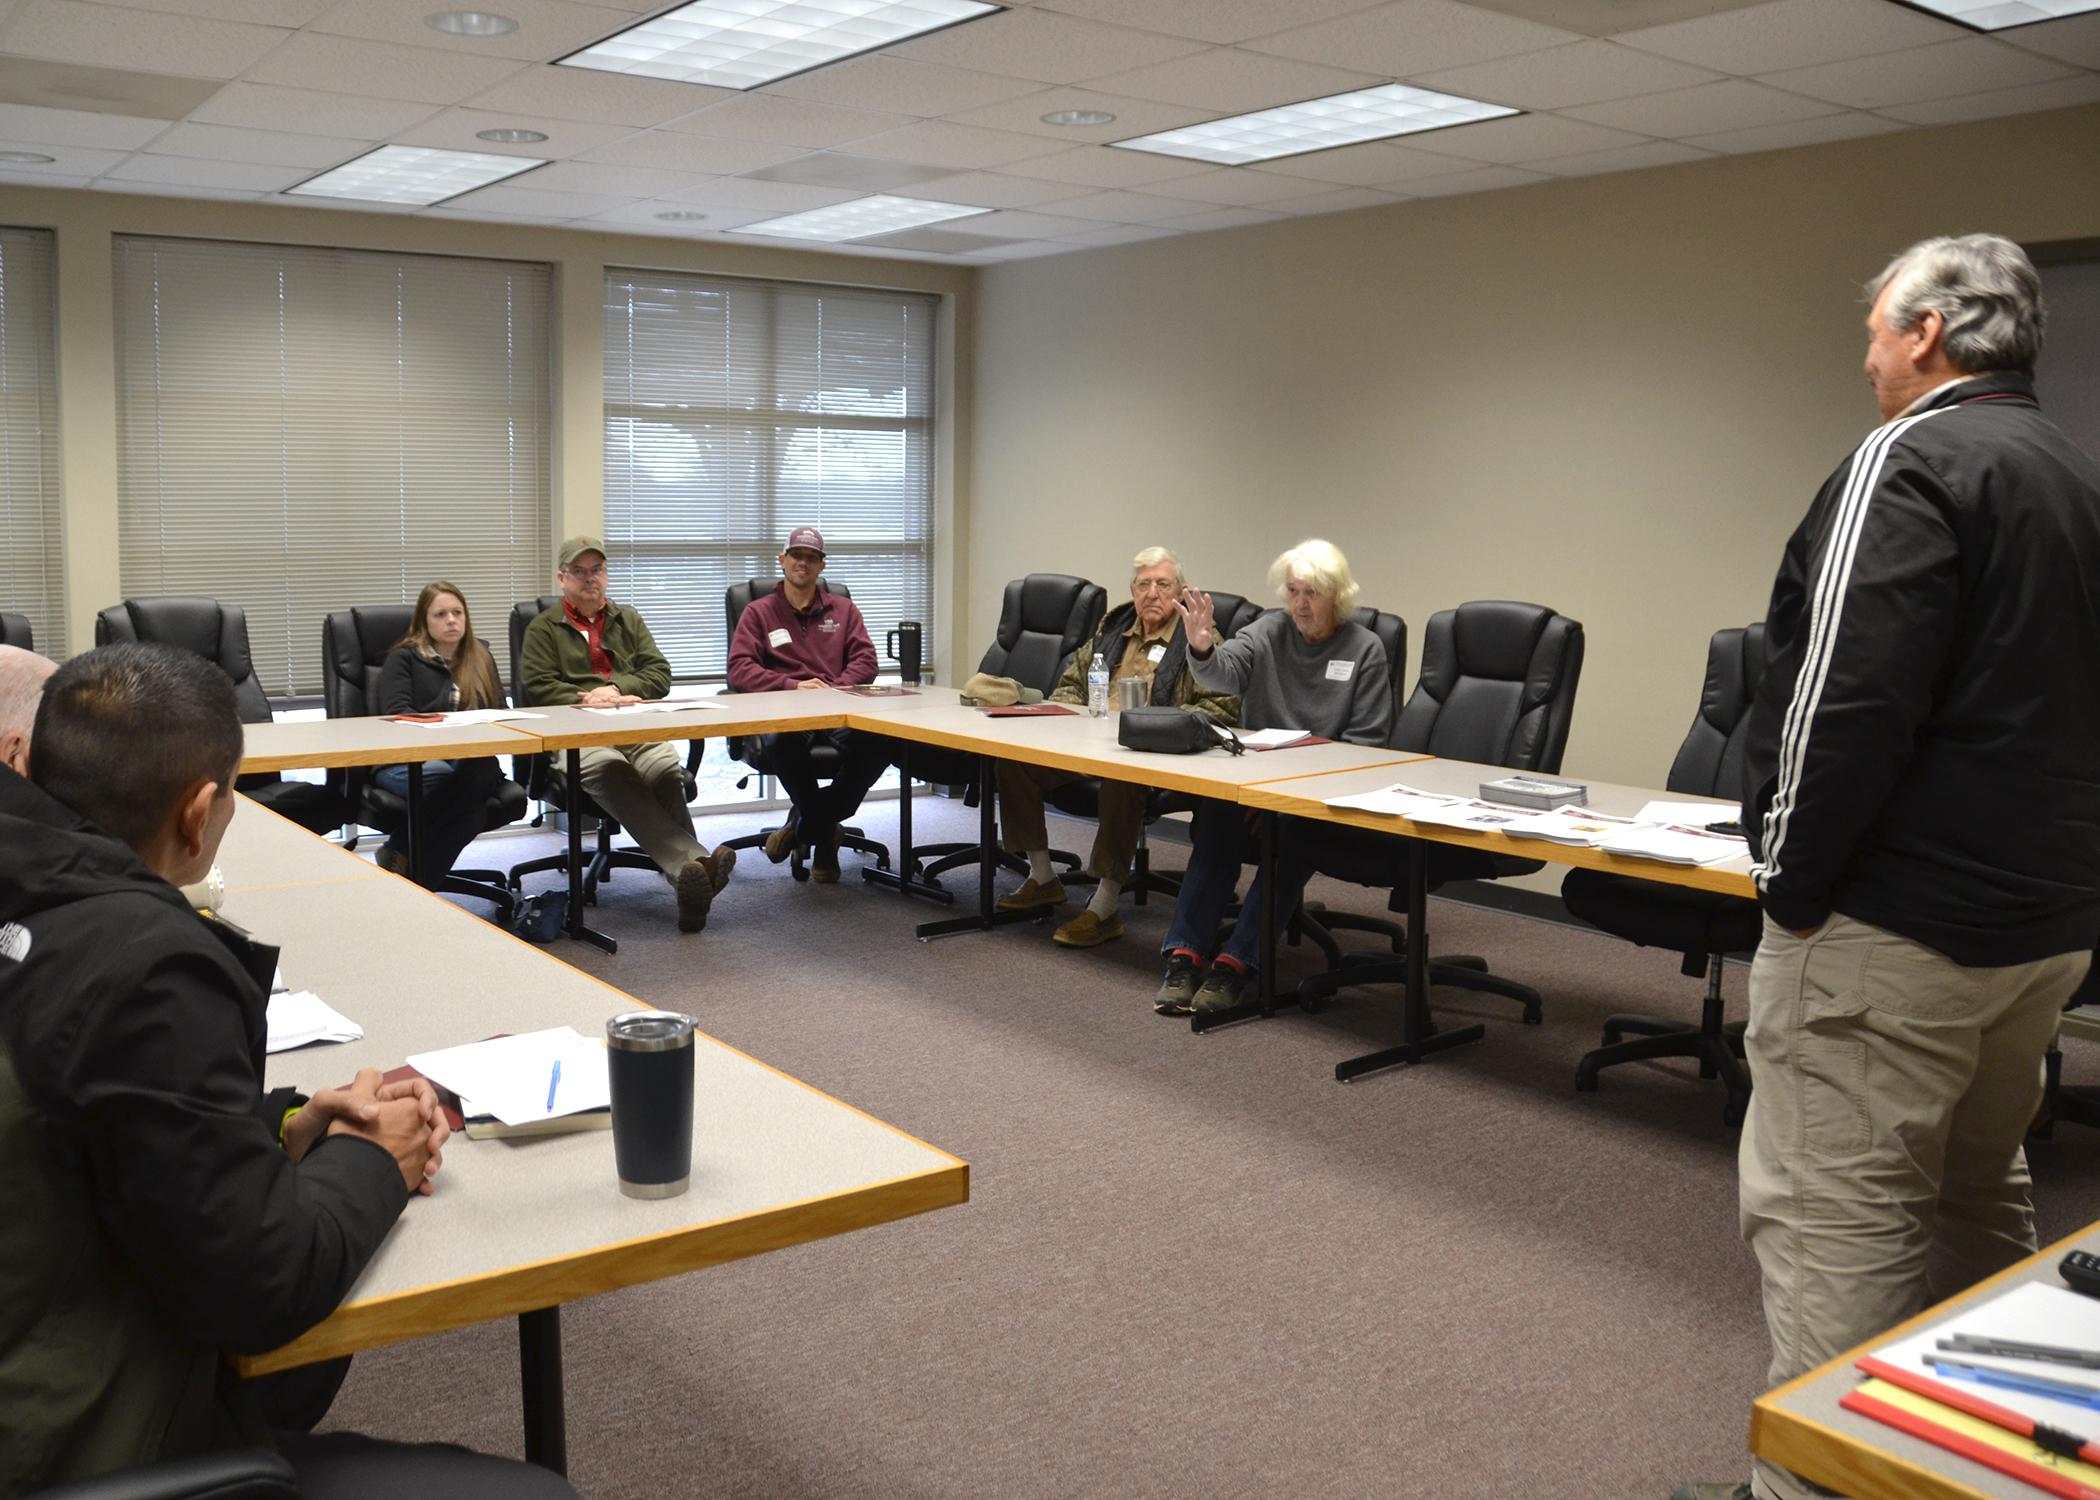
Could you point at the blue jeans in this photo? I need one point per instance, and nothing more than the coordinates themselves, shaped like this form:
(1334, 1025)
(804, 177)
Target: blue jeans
(1222, 842)
(455, 808)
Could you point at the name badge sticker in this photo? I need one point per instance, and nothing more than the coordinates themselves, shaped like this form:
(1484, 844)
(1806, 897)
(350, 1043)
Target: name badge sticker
(1340, 671)
(1154, 653)
(777, 638)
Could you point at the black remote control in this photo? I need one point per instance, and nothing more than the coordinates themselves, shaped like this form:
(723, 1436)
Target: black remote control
(2082, 1272)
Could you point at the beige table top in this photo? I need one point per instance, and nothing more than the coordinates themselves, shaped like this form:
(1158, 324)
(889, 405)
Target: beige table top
(1076, 742)
(264, 850)
(1306, 799)
(698, 718)
(518, 1225)
(1802, 1426)
(302, 744)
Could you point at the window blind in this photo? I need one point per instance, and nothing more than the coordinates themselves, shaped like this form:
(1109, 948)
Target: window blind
(301, 430)
(736, 410)
(32, 574)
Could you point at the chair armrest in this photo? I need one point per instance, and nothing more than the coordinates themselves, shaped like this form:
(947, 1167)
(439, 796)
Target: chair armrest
(244, 1474)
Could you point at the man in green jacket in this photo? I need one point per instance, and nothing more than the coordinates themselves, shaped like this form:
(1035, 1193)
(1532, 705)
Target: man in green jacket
(591, 651)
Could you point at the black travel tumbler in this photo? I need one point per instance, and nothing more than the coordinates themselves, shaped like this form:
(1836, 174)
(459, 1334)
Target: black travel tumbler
(649, 1063)
(905, 646)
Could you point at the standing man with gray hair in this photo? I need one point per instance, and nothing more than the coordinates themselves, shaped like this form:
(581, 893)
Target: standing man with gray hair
(1922, 794)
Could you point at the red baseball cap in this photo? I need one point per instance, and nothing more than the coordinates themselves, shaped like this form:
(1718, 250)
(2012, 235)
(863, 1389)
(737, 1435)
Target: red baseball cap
(806, 537)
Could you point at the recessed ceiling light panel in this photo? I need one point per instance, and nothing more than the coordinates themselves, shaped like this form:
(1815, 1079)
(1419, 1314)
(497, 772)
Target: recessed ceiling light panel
(1318, 125)
(470, 23)
(740, 44)
(1079, 117)
(856, 220)
(511, 137)
(1999, 15)
(415, 175)
(681, 216)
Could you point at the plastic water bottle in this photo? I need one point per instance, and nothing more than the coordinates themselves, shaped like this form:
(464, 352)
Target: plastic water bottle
(1097, 686)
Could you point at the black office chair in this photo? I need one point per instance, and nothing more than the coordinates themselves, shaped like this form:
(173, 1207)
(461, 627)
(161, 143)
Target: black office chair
(219, 633)
(354, 646)
(751, 749)
(1702, 925)
(547, 781)
(1497, 686)
(1044, 618)
(237, 1474)
(15, 631)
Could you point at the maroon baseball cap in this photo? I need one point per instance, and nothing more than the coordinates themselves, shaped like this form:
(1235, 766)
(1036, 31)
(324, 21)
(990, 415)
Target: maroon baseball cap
(807, 537)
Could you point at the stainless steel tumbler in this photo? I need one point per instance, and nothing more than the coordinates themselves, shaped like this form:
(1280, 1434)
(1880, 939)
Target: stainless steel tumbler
(649, 1063)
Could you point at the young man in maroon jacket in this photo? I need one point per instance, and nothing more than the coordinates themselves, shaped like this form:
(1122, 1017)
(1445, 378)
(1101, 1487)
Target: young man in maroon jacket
(804, 636)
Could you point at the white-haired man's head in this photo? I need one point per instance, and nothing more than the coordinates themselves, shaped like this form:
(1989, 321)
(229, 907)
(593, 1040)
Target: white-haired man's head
(22, 675)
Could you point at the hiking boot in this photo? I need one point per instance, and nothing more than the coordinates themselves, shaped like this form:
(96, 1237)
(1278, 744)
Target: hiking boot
(1177, 992)
(1033, 896)
(1225, 988)
(719, 864)
(1713, 1490)
(780, 843)
(696, 894)
(1088, 930)
(391, 860)
(824, 860)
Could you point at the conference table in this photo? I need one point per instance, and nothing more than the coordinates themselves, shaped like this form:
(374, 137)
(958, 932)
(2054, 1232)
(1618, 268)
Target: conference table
(519, 1227)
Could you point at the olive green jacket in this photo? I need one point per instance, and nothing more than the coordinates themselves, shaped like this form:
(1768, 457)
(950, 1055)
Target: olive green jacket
(554, 663)
(1173, 685)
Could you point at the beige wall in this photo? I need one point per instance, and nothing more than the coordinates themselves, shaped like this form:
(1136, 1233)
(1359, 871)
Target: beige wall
(1613, 395)
(87, 222)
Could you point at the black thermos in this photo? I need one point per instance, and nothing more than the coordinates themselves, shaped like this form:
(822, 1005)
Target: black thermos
(905, 648)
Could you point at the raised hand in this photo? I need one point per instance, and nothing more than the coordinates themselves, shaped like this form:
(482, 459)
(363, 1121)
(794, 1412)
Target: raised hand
(1198, 619)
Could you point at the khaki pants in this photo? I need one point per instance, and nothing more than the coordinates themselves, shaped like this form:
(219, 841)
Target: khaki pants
(1022, 788)
(1881, 1162)
(643, 788)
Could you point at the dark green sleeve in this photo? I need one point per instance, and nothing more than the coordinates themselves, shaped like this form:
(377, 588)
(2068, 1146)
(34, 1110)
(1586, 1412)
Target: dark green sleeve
(645, 673)
(539, 665)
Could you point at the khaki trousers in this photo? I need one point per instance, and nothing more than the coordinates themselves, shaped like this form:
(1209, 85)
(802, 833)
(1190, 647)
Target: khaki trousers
(642, 786)
(1022, 788)
(1881, 1162)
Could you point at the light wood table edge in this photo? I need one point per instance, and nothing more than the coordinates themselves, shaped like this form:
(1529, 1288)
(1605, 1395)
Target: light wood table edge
(359, 1326)
(497, 739)
(1400, 758)
(1797, 1442)
(645, 728)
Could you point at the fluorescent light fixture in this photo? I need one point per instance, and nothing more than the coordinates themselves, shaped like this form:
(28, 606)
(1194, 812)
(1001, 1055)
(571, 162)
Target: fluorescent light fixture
(1079, 117)
(416, 175)
(511, 137)
(1318, 125)
(862, 217)
(740, 44)
(470, 23)
(1999, 15)
(681, 216)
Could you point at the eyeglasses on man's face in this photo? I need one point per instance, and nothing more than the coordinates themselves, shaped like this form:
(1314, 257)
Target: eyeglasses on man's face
(1154, 586)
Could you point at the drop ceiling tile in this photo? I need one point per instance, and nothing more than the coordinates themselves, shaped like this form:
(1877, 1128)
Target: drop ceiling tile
(1792, 34)
(1232, 188)
(784, 122)
(934, 240)
(643, 214)
(1481, 180)
(522, 195)
(1123, 208)
(595, 177)
(268, 147)
(1943, 71)
(104, 37)
(1019, 250)
(256, 106)
(1583, 73)
(1119, 234)
(13, 174)
(1043, 46)
(1132, 116)
(771, 197)
(176, 190)
(1373, 164)
(1610, 17)
(547, 29)
(941, 143)
(691, 153)
(66, 161)
(1221, 218)
(890, 83)
(1027, 226)
(837, 169)
(2074, 39)
(1525, 138)
(1103, 166)
(1341, 200)
(1621, 159)
(1209, 20)
(238, 176)
(74, 127)
(1414, 36)
(422, 75)
(1844, 126)
(293, 13)
(101, 91)
(599, 98)
(2061, 94)
(455, 130)
(996, 190)
(1732, 104)
(1225, 78)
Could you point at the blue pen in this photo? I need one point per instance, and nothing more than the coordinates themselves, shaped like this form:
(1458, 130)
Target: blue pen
(553, 1083)
(2032, 1385)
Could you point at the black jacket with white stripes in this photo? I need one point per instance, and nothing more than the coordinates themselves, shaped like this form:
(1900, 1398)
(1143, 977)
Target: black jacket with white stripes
(1924, 753)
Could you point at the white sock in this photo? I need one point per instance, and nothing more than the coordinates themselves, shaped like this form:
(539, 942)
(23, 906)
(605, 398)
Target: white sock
(1040, 870)
(1105, 893)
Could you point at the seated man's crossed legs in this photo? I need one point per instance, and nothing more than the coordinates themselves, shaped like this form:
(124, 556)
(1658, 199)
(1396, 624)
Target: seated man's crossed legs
(818, 807)
(643, 788)
(1022, 789)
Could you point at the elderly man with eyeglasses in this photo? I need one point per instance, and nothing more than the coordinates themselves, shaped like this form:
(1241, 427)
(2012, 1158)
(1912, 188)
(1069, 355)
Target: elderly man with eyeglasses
(1142, 639)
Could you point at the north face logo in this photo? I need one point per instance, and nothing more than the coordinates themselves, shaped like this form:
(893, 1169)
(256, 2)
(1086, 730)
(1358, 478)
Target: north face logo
(14, 941)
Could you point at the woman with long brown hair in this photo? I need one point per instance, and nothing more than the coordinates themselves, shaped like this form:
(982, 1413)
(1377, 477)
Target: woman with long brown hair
(437, 667)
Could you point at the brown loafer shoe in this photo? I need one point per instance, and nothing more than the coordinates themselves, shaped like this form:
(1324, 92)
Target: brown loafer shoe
(1088, 930)
(1033, 896)
(696, 895)
(719, 864)
(824, 862)
(780, 843)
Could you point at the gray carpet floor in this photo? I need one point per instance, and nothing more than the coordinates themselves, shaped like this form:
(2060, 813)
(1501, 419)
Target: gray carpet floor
(1190, 1266)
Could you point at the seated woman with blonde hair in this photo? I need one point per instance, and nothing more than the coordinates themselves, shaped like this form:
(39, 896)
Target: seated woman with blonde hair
(437, 667)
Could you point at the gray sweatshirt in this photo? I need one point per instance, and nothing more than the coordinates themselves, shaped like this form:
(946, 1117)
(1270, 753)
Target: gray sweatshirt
(1340, 689)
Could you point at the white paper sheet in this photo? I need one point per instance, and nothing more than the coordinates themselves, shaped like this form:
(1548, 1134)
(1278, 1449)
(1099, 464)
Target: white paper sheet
(1396, 801)
(1575, 826)
(1696, 814)
(1676, 845)
(2033, 1312)
(657, 706)
(508, 1075)
(300, 1019)
(1271, 739)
